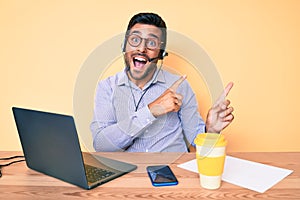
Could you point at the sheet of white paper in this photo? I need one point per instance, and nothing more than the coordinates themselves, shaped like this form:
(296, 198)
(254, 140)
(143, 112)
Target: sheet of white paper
(252, 175)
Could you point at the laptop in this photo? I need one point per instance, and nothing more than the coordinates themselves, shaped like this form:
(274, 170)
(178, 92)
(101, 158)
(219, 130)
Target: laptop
(51, 146)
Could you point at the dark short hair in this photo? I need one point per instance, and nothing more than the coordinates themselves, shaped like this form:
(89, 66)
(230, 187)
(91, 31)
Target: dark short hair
(150, 19)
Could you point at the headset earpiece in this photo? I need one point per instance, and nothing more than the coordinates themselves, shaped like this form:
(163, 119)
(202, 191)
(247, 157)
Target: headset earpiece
(163, 54)
(123, 46)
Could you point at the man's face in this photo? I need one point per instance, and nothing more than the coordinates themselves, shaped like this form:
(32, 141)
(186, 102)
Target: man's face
(140, 48)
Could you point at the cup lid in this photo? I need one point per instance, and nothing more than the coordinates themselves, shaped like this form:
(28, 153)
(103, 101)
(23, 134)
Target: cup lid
(210, 139)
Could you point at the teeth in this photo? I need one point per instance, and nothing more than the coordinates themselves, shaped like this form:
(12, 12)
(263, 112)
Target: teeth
(140, 59)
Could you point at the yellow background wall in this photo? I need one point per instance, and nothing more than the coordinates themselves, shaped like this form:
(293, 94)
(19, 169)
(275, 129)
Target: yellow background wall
(253, 43)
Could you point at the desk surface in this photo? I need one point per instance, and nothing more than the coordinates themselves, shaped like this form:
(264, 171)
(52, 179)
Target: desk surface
(19, 182)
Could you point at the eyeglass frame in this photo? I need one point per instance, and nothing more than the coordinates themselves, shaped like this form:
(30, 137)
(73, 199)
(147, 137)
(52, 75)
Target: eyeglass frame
(146, 40)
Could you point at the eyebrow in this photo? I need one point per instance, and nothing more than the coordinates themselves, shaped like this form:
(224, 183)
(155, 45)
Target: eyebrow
(151, 34)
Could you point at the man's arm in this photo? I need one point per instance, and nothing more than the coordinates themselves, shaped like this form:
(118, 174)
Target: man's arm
(185, 103)
(111, 132)
(191, 120)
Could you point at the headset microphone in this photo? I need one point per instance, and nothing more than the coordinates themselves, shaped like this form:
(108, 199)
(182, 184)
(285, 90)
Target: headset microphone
(164, 54)
(152, 59)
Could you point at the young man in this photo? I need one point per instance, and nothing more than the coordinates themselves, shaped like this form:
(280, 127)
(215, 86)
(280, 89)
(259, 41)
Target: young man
(145, 108)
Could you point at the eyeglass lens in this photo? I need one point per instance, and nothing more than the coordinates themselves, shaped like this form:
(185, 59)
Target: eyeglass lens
(136, 40)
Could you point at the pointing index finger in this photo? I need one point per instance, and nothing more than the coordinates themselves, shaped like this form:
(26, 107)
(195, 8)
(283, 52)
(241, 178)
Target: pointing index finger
(227, 89)
(225, 92)
(177, 83)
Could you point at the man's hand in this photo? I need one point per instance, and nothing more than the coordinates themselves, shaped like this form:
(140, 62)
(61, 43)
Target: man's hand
(169, 101)
(220, 115)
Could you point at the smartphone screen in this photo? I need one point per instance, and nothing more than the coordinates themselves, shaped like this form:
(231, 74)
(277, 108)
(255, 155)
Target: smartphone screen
(161, 175)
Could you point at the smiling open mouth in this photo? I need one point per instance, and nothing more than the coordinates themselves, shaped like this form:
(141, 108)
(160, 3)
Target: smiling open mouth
(139, 62)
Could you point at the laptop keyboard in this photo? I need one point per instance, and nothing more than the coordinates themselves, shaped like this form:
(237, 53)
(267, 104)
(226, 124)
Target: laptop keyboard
(95, 174)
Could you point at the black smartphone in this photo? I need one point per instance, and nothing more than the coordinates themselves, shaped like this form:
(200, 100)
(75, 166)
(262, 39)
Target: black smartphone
(161, 175)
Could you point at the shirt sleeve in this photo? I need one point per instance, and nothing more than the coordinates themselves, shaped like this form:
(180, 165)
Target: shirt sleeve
(191, 120)
(111, 133)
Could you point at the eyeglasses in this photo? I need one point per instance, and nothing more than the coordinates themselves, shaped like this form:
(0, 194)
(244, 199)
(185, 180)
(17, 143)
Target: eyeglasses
(151, 43)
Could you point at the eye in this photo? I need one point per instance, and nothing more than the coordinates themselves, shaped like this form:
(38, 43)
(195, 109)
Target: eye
(135, 39)
(152, 43)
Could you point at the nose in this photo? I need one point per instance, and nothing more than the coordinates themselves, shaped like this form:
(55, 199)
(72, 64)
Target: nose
(142, 47)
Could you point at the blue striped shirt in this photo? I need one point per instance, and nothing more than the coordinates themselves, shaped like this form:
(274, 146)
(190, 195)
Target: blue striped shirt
(116, 126)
